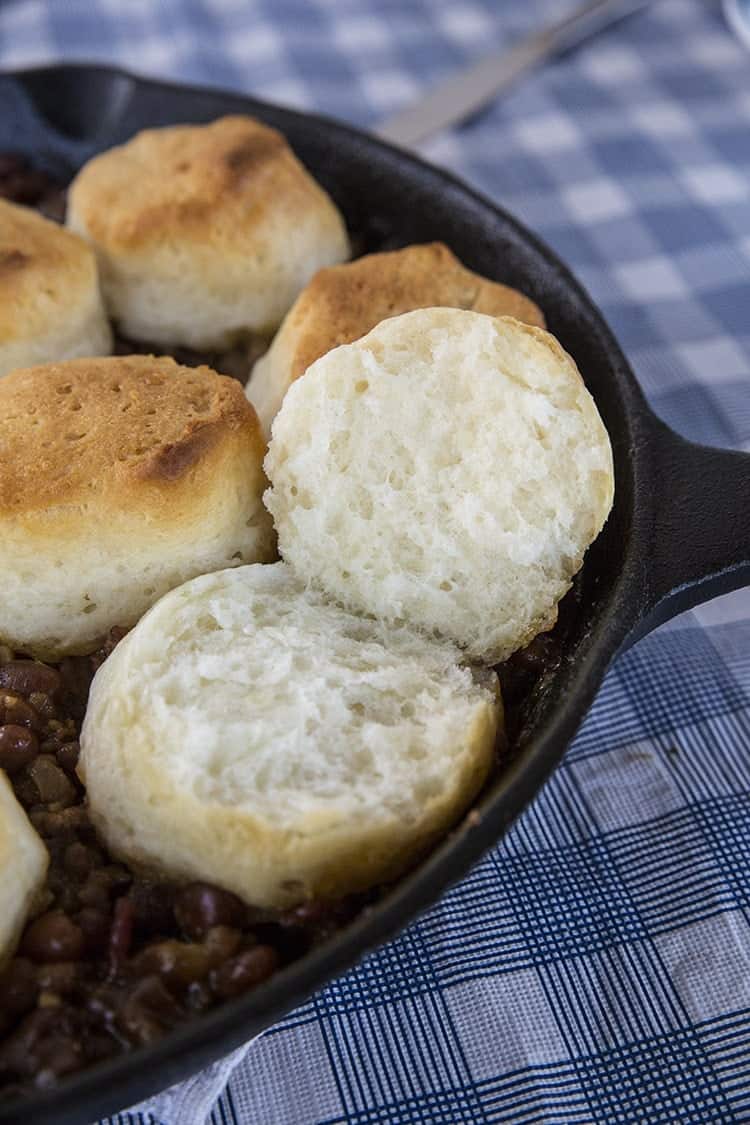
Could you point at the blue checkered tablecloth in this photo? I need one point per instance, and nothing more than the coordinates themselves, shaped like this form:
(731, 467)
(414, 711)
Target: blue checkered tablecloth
(595, 967)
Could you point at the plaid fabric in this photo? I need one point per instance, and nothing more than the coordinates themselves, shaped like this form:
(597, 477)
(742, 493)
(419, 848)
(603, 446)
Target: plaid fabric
(595, 967)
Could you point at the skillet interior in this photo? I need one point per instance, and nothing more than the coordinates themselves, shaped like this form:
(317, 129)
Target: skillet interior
(60, 116)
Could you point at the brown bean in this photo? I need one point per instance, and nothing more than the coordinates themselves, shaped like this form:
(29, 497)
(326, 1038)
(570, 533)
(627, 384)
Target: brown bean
(18, 747)
(18, 991)
(181, 963)
(94, 893)
(62, 824)
(222, 942)
(55, 787)
(176, 962)
(148, 1011)
(46, 1045)
(60, 978)
(67, 756)
(95, 926)
(76, 674)
(26, 791)
(198, 996)
(28, 676)
(152, 907)
(121, 934)
(199, 906)
(56, 734)
(14, 709)
(53, 937)
(310, 913)
(244, 971)
(79, 860)
(44, 705)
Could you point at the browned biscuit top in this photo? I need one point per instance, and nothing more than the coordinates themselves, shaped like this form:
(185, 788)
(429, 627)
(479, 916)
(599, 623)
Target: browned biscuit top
(125, 426)
(44, 269)
(343, 303)
(195, 182)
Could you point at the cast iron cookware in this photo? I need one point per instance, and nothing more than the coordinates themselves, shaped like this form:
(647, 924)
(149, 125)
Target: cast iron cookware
(679, 532)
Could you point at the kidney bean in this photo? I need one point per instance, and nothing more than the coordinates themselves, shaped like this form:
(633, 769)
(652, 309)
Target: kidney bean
(244, 971)
(53, 937)
(26, 677)
(18, 747)
(199, 906)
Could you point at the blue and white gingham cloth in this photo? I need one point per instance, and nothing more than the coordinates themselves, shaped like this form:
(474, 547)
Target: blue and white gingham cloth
(595, 967)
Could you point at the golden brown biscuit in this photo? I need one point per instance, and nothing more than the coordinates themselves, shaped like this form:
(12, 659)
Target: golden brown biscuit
(253, 734)
(450, 470)
(119, 479)
(23, 866)
(50, 304)
(343, 303)
(204, 233)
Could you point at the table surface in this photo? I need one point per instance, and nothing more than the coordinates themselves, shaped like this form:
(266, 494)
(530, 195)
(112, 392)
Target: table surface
(595, 967)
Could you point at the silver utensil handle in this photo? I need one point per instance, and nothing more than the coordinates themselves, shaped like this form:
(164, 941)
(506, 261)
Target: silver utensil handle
(463, 94)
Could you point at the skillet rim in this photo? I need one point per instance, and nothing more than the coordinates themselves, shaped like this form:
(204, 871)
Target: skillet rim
(142, 1073)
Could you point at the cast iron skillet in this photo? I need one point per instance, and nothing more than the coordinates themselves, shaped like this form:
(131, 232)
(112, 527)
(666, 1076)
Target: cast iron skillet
(679, 532)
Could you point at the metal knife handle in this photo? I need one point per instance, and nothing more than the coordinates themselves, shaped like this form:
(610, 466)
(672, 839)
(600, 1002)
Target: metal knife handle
(463, 94)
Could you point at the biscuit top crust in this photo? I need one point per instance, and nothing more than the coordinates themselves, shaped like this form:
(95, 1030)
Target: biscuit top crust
(343, 303)
(44, 270)
(204, 183)
(124, 426)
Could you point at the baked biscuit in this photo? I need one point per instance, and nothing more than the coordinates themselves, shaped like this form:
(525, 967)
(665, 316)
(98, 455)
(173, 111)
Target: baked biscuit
(23, 867)
(119, 479)
(448, 470)
(249, 733)
(50, 304)
(204, 233)
(343, 303)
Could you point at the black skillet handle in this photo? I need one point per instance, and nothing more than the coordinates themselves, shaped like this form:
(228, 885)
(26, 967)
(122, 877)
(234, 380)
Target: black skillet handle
(700, 541)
